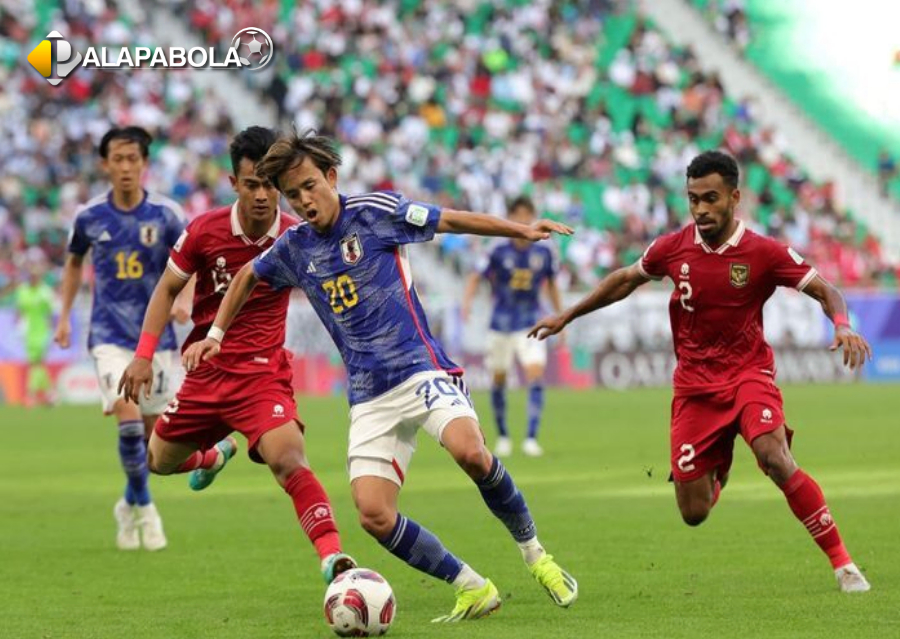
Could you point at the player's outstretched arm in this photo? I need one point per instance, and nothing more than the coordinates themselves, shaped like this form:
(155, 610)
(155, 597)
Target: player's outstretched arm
(855, 347)
(139, 373)
(453, 221)
(614, 287)
(184, 302)
(71, 281)
(235, 298)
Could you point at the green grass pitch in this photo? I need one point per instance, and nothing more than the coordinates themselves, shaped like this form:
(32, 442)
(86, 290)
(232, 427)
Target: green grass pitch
(238, 566)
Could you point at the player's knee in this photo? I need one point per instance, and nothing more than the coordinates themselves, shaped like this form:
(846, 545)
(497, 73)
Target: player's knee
(155, 466)
(776, 461)
(695, 514)
(475, 460)
(377, 521)
(284, 466)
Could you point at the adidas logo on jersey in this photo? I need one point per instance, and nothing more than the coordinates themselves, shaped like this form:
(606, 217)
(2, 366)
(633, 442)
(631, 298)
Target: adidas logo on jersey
(311, 268)
(104, 237)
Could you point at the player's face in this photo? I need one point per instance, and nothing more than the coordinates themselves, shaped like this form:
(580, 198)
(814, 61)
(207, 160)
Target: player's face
(124, 164)
(522, 215)
(712, 204)
(312, 194)
(257, 197)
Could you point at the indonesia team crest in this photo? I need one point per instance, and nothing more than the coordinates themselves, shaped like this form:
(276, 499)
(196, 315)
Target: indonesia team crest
(351, 249)
(740, 275)
(149, 234)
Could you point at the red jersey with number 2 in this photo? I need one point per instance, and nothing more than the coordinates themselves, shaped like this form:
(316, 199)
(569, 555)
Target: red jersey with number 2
(214, 247)
(716, 307)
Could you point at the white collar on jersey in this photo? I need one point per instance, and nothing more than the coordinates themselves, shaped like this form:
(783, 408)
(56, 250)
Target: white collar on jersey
(731, 241)
(237, 230)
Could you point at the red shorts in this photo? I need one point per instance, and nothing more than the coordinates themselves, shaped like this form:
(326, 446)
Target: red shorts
(704, 426)
(212, 403)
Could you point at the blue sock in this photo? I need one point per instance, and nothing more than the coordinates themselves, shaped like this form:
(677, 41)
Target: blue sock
(498, 402)
(535, 408)
(418, 547)
(133, 454)
(506, 502)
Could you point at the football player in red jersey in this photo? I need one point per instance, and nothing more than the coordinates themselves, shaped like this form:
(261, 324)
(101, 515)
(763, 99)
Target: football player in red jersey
(725, 378)
(248, 388)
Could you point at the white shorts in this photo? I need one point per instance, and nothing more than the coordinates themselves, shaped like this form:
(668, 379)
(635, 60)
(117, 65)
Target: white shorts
(502, 347)
(112, 360)
(383, 430)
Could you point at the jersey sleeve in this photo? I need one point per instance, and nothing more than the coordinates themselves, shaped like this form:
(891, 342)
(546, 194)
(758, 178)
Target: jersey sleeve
(79, 242)
(408, 223)
(185, 257)
(789, 268)
(276, 265)
(652, 264)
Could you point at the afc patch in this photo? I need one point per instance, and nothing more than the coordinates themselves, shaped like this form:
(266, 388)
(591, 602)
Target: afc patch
(149, 234)
(351, 249)
(417, 215)
(740, 275)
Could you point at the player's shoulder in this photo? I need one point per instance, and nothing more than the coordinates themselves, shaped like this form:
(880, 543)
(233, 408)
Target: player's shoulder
(166, 205)
(672, 240)
(378, 200)
(95, 206)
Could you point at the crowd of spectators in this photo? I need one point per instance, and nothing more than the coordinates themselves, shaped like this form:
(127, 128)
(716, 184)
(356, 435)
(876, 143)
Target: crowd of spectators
(585, 105)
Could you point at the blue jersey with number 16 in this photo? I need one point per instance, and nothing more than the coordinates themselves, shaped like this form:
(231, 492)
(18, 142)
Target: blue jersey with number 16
(357, 277)
(129, 254)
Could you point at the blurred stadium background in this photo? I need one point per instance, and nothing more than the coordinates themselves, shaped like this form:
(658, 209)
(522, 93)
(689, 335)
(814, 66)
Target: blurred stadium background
(592, 107)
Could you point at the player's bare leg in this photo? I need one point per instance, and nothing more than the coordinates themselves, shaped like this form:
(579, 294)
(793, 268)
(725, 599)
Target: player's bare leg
(463, 439)
(136, 516)
(807, 502)
(534, 376)
(376, 502)
(503, 447)
(696, 498)
(284, 450)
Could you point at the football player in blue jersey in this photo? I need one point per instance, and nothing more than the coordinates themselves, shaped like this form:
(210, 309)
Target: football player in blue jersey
(517, 270)
(129, 233)
(350, 258)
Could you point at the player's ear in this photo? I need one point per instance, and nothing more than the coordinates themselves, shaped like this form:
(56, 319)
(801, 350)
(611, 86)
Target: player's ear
(234, 182)
(331, 176)
(736, 196)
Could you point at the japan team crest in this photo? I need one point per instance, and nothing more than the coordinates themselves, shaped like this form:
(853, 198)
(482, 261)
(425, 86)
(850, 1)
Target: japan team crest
(740, 275)
(351, 249)
(149, 234)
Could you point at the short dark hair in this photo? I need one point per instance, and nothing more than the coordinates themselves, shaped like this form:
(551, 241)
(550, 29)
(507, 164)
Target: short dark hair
(288, 152)
(135, 134)
(710, 162)
(252, 143)
(522, 201)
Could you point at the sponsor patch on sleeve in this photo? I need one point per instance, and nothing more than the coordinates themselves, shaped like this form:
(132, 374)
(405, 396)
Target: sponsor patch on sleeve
(417, 215)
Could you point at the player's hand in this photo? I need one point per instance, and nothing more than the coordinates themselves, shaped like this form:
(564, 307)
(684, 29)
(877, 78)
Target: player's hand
(856, 348)
(200, 352)
(138, 376)
(548, 326)
(63, 334)
(542, 229)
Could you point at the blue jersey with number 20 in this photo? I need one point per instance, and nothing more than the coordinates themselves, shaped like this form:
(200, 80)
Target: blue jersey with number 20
(358, 279)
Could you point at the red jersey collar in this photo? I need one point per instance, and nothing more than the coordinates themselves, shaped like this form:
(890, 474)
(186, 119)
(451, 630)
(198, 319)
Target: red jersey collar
(237, 230)
(734, 240)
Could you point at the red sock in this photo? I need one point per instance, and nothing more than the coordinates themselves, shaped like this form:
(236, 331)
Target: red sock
(200, 459)
(314, 511)
(808, 503)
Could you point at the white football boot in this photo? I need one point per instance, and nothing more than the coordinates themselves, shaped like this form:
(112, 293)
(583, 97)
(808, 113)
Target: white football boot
(850, 579)
(531, 448)
(152, 535)
(503, 447)
(127, 535)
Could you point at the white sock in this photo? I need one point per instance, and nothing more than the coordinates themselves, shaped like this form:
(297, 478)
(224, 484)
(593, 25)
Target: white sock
(468, 579)
(532, 550)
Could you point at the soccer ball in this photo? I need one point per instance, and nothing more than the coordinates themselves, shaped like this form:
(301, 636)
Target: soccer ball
(359, 603)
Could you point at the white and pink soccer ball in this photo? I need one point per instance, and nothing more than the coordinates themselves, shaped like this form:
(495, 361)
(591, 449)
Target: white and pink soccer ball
(359, 603)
